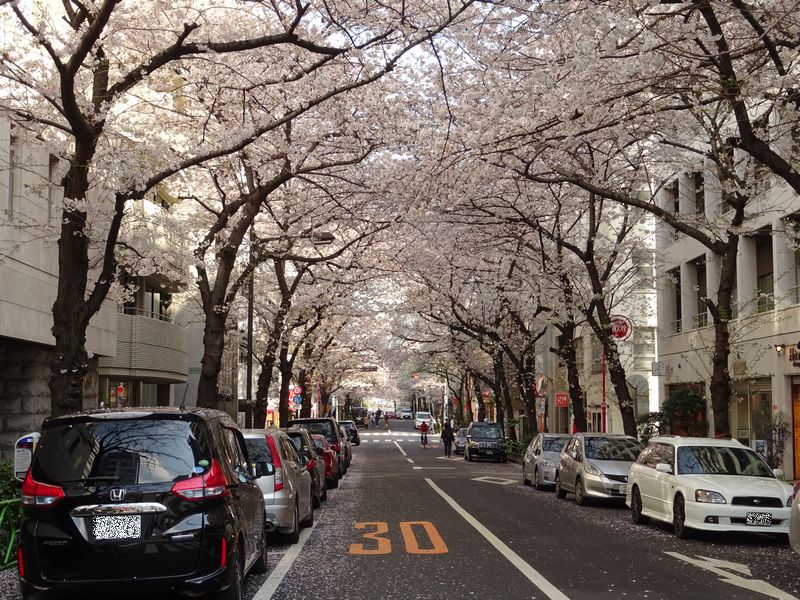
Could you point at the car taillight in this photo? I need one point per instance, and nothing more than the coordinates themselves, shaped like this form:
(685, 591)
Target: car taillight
(211, 485)
(20, 563)
(38, 494)
(276, 462)
(336, 447)
(223, 559)
(311, 465)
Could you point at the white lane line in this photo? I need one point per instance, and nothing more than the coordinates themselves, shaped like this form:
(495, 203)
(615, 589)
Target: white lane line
(276, 577)
(515, 559)
(409, 460)
(399, 447)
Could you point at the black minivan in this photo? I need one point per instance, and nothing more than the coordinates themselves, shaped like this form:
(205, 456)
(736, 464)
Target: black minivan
(141, 501)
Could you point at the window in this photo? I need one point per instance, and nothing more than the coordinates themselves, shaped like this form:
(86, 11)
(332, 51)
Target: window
(644, 262)
(764, 283)
(699, 193)
(675, 277)
(11, 180)
(644, 347)
(701, 316)
(52, 187)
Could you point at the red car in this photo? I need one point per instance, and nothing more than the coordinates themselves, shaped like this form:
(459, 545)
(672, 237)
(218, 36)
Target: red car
(330, 458)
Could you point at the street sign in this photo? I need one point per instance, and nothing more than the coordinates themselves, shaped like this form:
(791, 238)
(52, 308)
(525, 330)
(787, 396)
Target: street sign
(621, 328)
(297, 399)
(658, 369)
(297, 390)
(562, 400)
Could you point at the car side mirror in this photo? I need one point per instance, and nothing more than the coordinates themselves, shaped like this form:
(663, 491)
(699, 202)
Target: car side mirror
(264, 469)
(779, 473)
(664, 468)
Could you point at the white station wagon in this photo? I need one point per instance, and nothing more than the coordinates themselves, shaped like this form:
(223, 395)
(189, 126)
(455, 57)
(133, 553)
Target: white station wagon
(701, 483)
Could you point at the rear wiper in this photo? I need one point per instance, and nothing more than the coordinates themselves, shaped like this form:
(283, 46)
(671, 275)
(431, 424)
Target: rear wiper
(93, 478)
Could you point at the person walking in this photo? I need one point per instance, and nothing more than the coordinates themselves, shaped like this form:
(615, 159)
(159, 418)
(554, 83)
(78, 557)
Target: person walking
(423, 434)
(447, 438)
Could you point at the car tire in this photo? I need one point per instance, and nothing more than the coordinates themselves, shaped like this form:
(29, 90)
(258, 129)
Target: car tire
(580, 493)
(294, 536)
(262, 565)
(525, 480)
(560, 493)
(316, 499)
(309, 521)
(335, 482)
(27, 592)
(324, 496)
(537, 479)
(679, 518)
(636, 507)
(236, 590)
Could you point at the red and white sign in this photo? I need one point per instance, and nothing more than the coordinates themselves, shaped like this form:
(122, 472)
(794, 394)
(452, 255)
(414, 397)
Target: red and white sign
(562, 400)
(621, 328)
(297, 390)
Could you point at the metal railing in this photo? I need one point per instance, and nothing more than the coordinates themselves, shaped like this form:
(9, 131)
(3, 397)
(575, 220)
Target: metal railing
(765, 303)
(10, 518)
(794, 294)
(700, 320)
(676, 326)
(141, 312)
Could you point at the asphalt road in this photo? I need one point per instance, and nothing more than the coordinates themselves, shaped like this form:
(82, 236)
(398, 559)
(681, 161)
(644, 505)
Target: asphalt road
(408, 524)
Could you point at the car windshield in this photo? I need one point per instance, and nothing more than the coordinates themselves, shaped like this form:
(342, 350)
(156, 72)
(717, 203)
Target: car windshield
(348, 426)
(122, 451)
(491, 432)
(605, 448)
(422, 415)
(462, 432)
(716, 460)
(553, 444)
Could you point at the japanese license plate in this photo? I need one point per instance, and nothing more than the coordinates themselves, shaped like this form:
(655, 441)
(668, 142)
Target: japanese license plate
(117, 527)
(621, 489)
(759, 518)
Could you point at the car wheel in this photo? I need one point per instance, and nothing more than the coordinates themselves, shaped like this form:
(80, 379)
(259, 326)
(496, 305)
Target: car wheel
(525, 480)
(309, 521)
(27, 592)
(679, 518)
(537, 479)
(334, 482)
(580, 494)
(294, 535)
(316, 499)
(235, 590)
(324, 492)
(261, 565)
(636, 507)
(560, 493)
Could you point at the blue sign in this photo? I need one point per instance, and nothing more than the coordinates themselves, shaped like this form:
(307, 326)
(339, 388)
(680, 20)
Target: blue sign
(298, 399)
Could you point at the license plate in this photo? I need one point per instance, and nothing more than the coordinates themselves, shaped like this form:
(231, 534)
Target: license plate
(759, 518)
(117, 527)
(621, 489)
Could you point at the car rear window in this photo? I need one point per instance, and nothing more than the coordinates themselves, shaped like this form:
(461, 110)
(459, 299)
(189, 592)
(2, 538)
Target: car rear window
(603, 448)
(553, 444)
(299, 441)
(258, 450)
(121, 451)
(321, 427)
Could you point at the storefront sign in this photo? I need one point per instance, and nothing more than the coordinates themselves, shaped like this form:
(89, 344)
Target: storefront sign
(621, 328)
(562, 400)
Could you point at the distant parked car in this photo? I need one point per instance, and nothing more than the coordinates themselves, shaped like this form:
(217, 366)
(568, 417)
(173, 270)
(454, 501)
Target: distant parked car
(794, 525)
(361, 417)
(329, 427)
(287, 491)
(541, 459)
(164, 494)
(347, 449)
(406, 413)
(461, 441)
(351, 430)
(423, 417)
(596, 465)
(484, 440)
(714, 485)
(330, 458)
(316, 466)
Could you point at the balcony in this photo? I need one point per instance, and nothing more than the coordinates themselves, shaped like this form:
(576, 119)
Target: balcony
(149, 347)
(700, 320)
(675, 326)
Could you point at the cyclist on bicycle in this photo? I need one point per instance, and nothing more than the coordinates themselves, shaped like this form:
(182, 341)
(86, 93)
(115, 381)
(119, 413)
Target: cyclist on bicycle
(423, 430)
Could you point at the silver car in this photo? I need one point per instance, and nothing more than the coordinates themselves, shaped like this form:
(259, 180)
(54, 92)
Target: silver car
(541, 459)
(287, 492)
(596, 465)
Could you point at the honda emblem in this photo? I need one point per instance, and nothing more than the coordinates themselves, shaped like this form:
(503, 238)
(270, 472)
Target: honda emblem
(117, 494)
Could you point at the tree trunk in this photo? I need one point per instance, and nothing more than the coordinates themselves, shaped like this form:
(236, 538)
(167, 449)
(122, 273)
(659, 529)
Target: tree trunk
(720, 385)
(213, 347)
(527, 385)
(303, 380)
(286, 381)
(566, 351)
(616, 373)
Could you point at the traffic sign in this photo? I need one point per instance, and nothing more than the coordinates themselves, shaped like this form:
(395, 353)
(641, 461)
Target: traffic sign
(297, 399)
(297, 390)
(621, 328)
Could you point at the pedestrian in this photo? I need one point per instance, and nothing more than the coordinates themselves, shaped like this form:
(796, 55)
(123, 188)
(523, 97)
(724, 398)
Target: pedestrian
(447, 438)
(423, 434)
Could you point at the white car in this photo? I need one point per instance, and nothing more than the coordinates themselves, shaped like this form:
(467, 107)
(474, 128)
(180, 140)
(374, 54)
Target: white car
(794, 522)
(406, 413)
(714, 485)
(420, 417)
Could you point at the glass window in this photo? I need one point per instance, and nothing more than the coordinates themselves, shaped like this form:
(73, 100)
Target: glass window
(122, 451)
(258, 450)
(554, 444)
(489, 431)
(644, 347)
(608, 448)
(715, 460)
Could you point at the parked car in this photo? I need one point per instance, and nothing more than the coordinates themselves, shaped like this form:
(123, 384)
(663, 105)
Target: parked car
(390, 414)
(306, 449)
(145, 487)
(484, 440)
(406, 413)
(794, 521)
(541, 459)
(461, 441)
(361, 417)
(351, 430)
(422, 416)
(347, 449)
(329, 427)
(287, 491)
(330, 458)
(708, 484)
(596, 465)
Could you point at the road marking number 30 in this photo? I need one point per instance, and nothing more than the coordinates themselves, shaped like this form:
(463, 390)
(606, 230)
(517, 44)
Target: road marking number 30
(382, 545)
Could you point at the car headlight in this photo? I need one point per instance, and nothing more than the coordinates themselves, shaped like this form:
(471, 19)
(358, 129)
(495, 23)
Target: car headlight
(592, 469)
(789, 501)
(709, 497)
(548, 463)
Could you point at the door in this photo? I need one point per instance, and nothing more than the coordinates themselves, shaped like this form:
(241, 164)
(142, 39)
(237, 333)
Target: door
(570, 462)
(796, 425)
